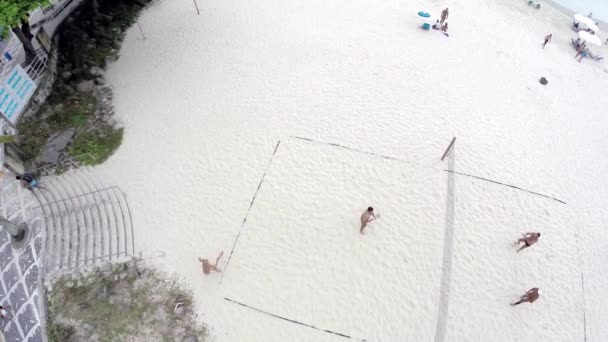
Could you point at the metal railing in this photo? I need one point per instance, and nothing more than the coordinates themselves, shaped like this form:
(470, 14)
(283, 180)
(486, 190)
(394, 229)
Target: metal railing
(86, 220)
(39, 65)
(56, 12)
(70, 160)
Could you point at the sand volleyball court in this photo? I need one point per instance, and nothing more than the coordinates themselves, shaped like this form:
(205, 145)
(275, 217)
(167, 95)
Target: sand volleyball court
(300, 254)
(439, 262)
(488, 274)
(205, 98)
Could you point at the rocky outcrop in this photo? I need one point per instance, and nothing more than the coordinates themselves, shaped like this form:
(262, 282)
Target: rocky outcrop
(121, 302)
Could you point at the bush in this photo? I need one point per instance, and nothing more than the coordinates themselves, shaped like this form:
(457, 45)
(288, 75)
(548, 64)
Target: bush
(59, 333)
(92, 148)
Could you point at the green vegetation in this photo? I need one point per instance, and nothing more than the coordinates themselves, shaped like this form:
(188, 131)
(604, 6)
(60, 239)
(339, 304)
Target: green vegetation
(6, 138)
(14, 12)
(73, 113)
(96, 34)
(121, 304)
(91, 39)
(94, 147)
(14, 15)
(58, 333)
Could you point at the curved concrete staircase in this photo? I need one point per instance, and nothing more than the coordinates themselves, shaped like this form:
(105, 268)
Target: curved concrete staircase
(88, 220)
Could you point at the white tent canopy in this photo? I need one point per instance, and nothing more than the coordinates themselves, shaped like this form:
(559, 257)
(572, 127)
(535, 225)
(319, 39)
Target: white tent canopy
(586, 21)
(590, 38)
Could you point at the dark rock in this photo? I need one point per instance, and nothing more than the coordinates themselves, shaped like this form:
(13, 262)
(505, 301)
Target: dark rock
(96, 71)
(102, 293)
(69, 89)
(111, 59)
(85, 86)
(106, 267)
(84, 306)
(55, 145)
(543, 81)
(179, 310)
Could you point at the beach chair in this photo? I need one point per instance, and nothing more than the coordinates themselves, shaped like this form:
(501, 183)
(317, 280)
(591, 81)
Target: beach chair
(426, 26)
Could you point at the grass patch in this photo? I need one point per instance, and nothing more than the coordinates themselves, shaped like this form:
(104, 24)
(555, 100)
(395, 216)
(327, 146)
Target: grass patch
(35, 131)
(86, 40)
(128, 303)
(58, 333)
(112, 319)
(95, 147)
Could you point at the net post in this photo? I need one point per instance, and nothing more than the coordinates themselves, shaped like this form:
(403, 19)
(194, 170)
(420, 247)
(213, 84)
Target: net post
(449, 149)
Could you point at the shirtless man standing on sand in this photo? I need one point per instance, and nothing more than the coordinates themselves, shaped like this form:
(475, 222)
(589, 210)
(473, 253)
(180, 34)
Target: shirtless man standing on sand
(528, 239)
(367, 217)
(529, 297)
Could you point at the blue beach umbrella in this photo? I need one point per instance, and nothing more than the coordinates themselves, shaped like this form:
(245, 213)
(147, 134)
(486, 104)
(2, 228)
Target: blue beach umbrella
(424, 14)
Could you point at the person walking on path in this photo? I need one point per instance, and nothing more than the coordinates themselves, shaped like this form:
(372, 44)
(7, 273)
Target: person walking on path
(3, 313)
(208, 267)
(367, 217)
(528, 239)
(547, 39)
(29, 182)
(529, 297)
(444, 15)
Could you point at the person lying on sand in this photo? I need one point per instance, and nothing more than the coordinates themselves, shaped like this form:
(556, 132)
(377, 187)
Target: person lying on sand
(207, 267)
(528, 239)
(530, 296)
(367, 217)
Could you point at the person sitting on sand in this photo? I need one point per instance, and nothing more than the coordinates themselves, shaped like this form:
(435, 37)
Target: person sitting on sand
(208, 267)
(367, 217)
(529, 297)
(528, 239)
(437, 25)
(444, 28)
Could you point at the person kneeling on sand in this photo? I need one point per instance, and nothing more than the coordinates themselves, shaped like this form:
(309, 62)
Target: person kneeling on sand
(208, 267)
(367, 217)
(529, 297)
(528, 239)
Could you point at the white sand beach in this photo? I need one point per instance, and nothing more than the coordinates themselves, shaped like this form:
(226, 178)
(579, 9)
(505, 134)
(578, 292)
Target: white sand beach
(206, 98)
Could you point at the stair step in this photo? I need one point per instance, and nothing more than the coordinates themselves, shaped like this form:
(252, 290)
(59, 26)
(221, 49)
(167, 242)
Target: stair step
(87, 220)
